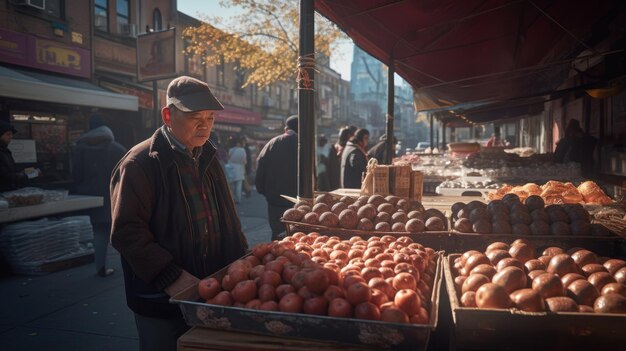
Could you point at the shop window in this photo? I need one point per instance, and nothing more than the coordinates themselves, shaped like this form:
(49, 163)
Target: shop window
(101, 12)
(44, 144)
(55, 8)
(157, 21)
(221, 72)
(123, 15)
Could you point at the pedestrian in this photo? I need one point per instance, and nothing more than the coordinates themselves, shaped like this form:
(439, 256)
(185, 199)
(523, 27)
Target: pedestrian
(576, 146)
(495, 140)
(344, 136)
(277, 174)
(323, 152)
(354, 160)
(11, 177)
(237, 159)
(379, 151)
(93, 160)
(174, 220)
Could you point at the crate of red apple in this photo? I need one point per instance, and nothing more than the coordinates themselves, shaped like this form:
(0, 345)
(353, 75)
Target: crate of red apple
(382, 291)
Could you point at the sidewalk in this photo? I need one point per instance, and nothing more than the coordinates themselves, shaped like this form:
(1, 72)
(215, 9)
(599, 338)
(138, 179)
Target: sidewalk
(75, 310)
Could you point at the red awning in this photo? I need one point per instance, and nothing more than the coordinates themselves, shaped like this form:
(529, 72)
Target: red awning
(460, 51)
(236, 115)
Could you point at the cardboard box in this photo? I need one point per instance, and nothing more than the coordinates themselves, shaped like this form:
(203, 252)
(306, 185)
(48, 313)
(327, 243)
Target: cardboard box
(401, 181)
(381, 180)
(417, 186)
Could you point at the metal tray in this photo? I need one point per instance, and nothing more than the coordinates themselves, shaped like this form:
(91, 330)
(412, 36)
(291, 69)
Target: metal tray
(375, 334)
(488, 329)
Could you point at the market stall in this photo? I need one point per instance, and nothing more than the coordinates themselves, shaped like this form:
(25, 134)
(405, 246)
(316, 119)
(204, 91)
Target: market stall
(494, 300)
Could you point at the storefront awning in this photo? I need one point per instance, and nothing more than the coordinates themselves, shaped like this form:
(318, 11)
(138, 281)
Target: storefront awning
(235, 115)
(28, 85)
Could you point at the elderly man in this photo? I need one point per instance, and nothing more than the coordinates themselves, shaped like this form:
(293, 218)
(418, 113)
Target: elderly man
(174, 220)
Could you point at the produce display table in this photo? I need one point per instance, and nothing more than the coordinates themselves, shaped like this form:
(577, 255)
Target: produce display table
(71, 203)
(199, 338)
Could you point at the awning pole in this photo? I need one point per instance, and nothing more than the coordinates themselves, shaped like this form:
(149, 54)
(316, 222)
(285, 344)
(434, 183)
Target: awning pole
(306, 89)
(390, 102)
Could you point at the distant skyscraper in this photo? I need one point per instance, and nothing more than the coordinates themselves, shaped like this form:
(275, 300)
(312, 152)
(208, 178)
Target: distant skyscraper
(368, 79)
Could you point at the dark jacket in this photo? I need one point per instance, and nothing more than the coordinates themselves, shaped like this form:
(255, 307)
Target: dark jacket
(334, 169)
(353, 165)
(379, 152)
(10, 177)
(93, 160)
(277, 169)
(152, 226)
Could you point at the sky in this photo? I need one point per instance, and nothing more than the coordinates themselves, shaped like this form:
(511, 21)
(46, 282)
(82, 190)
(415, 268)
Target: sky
(340, 61)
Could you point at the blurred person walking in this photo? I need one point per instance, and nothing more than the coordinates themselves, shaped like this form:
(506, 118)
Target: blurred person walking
(237, 159)
(277, 174)
(93, 160)
(354, 160)
(323, 154)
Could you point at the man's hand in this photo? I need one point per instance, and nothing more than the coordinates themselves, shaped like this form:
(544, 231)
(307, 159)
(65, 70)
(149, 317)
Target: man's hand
(183, 282)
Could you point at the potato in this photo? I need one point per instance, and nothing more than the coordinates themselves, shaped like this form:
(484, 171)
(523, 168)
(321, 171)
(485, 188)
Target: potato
(329, 219)
(492, 295)
(398, 227)
(501, 227)
(338, 207)
(540, 215)
(534, 202)
(511, 279)
(435, 224)
(528, 300)
(293, 215)
(540, 228)
(482, 226)
(386, 207)
(548, 285)
(348, 219)
(561, 304)
(311, 218)
(610, 303)
(583, 292)
(562, 264)
(365, 224)
(367, 211)
(399, 217)
(325, 199)
(463, 225)
(376, 200)
(415, 226)
(320, 208)
(383, 227)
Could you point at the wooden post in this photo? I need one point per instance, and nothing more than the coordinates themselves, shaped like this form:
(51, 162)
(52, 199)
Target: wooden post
(390, 111)
(306, 89)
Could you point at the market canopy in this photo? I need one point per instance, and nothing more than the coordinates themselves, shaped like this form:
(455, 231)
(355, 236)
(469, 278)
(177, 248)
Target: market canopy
(480, 51)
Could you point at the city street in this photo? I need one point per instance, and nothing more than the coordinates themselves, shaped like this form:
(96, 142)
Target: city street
(74, 309)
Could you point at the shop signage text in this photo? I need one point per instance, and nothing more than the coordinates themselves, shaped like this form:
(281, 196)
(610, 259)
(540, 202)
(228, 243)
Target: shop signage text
(27, 50)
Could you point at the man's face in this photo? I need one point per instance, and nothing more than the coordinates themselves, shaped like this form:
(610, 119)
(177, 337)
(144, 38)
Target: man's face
(6, 137)
(366, 141)
(190, 128)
